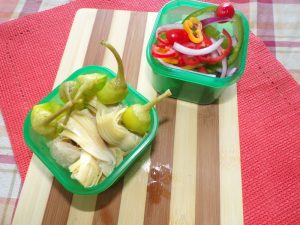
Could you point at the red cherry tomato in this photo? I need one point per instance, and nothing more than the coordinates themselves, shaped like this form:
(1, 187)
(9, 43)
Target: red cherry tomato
(177, 35)
(225, 9)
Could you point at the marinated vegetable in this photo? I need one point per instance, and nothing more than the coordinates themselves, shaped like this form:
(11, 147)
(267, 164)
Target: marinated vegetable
(115, 90)
(137, 117)
(84, 129)
(195, 44)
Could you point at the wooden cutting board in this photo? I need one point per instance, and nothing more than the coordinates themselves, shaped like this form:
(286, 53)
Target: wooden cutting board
(191, 174)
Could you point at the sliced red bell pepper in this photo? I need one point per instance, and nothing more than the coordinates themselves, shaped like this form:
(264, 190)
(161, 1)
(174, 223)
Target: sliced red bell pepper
(163, 52)
(202, 69)
(161, 37)
(180, 63)
(213, 60)
(190, 60)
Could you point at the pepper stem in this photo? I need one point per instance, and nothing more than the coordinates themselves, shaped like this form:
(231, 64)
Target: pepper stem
(60, 111)
(150, 104)
(120, 74)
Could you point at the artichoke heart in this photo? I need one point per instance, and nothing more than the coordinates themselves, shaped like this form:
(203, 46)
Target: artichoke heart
(113, 133)
(83, 131)
(86, 170)
(63, 151)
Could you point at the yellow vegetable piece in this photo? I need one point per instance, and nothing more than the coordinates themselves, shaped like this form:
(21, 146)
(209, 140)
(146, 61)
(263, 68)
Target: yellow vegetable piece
(194, 29)
(171, 60)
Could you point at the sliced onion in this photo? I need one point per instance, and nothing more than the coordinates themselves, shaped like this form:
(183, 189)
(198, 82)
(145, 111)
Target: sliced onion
(234, 41)
(231, 71)
(168, 27)
(224, 65)
(178, 68)
(208, 21)
(203, 51)
(224, 68)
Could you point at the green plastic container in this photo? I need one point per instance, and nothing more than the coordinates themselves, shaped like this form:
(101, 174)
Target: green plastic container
(184, 84)
(38, 146)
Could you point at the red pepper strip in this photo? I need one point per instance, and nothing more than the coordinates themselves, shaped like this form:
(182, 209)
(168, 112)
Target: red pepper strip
(180, 63)
(190, 60)
(202, 69)
(162, 38)
(213, 60)
(163, 52)
(205, 43)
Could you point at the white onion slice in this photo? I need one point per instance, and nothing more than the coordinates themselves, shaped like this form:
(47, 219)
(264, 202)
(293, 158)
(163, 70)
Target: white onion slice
(178, 68)
(231, 71)
(203, 51)
(234, 41)
(168, 27)
(224, 65)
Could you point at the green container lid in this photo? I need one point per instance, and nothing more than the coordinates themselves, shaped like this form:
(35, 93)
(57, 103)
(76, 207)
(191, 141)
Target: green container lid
(38, 144)
(185, 84)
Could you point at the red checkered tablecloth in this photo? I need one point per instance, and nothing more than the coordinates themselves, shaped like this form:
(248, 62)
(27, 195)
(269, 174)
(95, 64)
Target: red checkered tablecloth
(276, 22)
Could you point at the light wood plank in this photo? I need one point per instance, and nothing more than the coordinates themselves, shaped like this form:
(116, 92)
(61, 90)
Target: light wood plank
(230, 165)
(82, 210)
(34, 195)
(183, 195)
(37, 185)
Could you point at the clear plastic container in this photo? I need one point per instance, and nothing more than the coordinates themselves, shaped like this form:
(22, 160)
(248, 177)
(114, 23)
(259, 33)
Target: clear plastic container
(185, 84)
(38, 144)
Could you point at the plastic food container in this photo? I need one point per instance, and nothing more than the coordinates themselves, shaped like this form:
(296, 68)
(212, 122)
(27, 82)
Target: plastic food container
(184, 84)
(38, 144)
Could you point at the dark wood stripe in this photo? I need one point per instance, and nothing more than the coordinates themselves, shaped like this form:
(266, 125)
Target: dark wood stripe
(108, 205)
(58, 205)
(134, 45)
(108, 202)
(208, 175)
(101, 28)
(160, 178)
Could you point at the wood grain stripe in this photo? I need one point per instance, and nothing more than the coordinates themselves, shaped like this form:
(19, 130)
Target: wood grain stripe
(208, 175)
(82, 210)
(183, 195)
(37, 186)
(158, 197)
(135, 181)
(230, 165)
(108, 202)
(102, 25)
(159, 183)
(133, 46)
(58, 205)
(108, 205)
